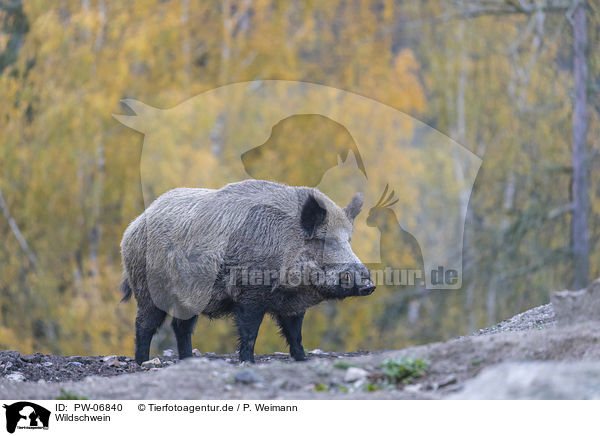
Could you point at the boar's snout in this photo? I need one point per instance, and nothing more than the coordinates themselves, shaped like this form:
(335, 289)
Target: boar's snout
(366, 290)
(363, 284)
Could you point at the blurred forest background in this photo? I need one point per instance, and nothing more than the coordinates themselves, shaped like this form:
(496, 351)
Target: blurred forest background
(515, 81)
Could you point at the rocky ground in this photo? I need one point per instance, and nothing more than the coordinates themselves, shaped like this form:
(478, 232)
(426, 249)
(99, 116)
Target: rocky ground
(537, 318)
(39, 367)
(531, 355)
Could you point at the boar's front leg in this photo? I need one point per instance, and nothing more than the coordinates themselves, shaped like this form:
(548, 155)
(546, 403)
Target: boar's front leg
(291, 327)
(247, 319)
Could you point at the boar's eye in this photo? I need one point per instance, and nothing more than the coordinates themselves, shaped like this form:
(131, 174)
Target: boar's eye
(332, 243)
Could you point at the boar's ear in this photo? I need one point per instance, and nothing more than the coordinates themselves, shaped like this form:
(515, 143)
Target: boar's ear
(312, 216)
(353, 208)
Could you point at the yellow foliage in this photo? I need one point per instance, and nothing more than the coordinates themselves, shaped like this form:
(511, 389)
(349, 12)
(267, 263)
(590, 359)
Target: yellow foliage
(70, 173)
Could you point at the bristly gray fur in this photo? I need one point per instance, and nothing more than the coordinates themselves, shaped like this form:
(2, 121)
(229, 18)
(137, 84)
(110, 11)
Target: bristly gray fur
(175, 253)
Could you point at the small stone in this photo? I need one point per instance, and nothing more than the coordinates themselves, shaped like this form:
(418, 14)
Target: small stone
(359, 383)
(15, 376)
(196, 352)
(414, 388)
(47, 364)
(354, 374)
(112, 361)
(31, 358)
(168, 353)
(85, 360)
(107, 358)
(151, 363)
(279, 353)
(446, 382)
(317, 351)
(246, 376)
(74, 364)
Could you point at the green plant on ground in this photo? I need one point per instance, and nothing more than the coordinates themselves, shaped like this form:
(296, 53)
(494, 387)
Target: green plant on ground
(343, 388)
(371, 387)
(404, 369)
(68, 395)
(343, 365)
(321, 387)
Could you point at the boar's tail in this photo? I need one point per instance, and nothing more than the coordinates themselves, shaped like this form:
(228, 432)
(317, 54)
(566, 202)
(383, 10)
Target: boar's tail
(126, 290)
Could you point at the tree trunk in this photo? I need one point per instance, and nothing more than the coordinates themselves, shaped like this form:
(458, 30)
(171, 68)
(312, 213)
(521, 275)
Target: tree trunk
(98, 175)
(579, 222)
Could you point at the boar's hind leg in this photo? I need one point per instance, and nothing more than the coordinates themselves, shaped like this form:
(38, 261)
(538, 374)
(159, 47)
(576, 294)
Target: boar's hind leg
(148, 320)
(291, 327)
(183, 329)
(247, 319)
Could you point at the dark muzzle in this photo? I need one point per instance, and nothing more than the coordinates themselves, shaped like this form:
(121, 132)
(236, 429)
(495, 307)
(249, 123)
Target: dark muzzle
(366, 290)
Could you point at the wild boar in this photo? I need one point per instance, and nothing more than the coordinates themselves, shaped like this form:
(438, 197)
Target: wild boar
(248, 249)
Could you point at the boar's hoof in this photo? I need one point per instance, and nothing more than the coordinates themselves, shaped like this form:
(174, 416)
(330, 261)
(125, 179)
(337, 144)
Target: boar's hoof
(298, 356)
(244, 357)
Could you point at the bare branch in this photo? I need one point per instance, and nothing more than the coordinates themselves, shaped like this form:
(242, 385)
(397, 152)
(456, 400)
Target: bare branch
(561, 210)
(15, 229)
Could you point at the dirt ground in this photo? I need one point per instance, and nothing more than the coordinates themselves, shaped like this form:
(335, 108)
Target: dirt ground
(50, 368)
(528, 337)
